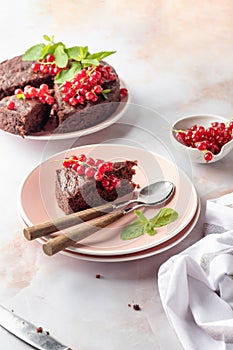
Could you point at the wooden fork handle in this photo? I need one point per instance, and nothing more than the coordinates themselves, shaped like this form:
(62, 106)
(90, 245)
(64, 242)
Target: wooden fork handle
(64, 222)
(80, 232)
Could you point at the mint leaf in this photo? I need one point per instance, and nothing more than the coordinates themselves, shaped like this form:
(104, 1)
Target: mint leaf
(100, 55)
(46, 50)
(33, 53)
(150, 229)
(46, 37)
(142, 225)
(77, 53)
(61, 57)
(68, 74)
(133, 230)
(20, 96)
(105, 92)
(164, 217)
(90, 62)
(141, 216)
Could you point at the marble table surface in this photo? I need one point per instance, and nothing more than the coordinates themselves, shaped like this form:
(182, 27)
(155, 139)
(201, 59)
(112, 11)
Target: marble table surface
(176, 58)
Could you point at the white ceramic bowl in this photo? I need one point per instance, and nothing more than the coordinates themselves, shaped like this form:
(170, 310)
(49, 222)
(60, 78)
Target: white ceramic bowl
(201, 119)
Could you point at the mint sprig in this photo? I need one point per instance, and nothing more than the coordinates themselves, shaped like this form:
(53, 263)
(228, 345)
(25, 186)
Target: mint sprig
(65, 57)
(143, 225)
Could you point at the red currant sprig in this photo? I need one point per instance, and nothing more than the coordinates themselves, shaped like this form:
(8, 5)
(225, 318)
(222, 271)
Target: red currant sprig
(42, 93)
(208, 140)
(87, 85)
(47, 66)
(91, 168)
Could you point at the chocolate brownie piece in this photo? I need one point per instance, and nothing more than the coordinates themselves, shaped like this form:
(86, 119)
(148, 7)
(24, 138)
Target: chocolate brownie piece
(72, 118)
(15, 73)
(28, 116)
(75, 192)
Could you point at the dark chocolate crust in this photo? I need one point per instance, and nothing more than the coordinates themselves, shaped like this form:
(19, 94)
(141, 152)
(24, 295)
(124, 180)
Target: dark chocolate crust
(75, 193)
(27, 117)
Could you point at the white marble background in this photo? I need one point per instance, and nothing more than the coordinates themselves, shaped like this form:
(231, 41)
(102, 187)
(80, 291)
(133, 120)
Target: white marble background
(176, 57)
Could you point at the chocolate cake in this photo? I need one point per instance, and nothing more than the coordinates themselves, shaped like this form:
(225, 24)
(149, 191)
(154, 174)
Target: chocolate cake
(16, 73)
(83, 116)
(93, 95)
(28, 116)
(75, 192)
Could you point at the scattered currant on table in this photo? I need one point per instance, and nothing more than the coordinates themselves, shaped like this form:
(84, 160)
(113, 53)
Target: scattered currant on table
(208, 140)
(42, 93)
(93, 168)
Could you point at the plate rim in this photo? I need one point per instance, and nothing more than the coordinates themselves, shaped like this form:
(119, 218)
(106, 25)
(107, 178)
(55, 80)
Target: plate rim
(133, 256)
(83, 250)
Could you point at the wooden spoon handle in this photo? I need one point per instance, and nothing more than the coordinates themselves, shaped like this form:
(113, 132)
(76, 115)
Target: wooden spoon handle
(80, 232)
(64, 222)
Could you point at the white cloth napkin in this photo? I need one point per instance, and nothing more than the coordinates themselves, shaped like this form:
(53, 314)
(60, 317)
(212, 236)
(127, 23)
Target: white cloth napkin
(196, 286)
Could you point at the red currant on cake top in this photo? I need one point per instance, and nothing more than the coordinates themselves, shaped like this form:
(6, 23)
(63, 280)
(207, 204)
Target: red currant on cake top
(96, 169)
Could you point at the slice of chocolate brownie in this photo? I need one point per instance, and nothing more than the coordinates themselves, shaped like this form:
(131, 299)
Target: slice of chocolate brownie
(75, 192)
(15, 73)
(26, 117)
(73, 118)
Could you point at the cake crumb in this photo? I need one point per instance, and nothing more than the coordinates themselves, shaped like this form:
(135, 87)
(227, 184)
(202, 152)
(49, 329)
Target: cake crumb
(39, 329)
(136, 307)
(47, 333)
(97, 275)
(129, 305)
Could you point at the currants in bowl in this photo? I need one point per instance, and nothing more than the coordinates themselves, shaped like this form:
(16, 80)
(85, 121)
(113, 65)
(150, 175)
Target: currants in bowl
(205, 137)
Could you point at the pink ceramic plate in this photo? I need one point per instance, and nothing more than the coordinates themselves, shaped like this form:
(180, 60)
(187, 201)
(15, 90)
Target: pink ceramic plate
(40, 185)
(160, 248)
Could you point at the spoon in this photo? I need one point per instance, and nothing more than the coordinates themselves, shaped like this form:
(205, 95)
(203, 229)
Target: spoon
(156, 193)
(152, 195)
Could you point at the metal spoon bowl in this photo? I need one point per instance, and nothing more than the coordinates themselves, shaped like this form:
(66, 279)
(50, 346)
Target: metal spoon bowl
(153, 194)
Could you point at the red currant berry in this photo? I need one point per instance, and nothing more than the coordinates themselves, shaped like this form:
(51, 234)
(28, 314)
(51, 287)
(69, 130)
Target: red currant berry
(98, 162)
(98, 176)
(89, 172)
(50, 58)
(44, 88)
(33, 92)
(112, 76)
(18, 91)
(89, 95)
(36, 67)
(123, 92)
(44, 69)
(208, 156)
(49, 100)
(102, 167)
(80, 99)
(73, 101)
(81, 169)
(105, 182)
(10, 104)
(82, 158)
(109, 166)
(90, 161)
(97, 89)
